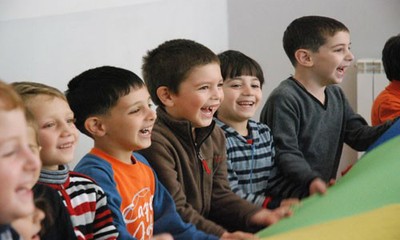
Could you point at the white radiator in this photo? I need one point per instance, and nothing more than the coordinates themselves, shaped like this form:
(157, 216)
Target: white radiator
(371, 80)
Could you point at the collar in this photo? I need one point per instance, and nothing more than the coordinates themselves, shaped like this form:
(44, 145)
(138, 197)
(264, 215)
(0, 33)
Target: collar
(59, 176)
(183, 128)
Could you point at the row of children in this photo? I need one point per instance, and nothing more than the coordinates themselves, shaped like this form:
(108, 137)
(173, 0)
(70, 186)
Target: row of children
(187, 176)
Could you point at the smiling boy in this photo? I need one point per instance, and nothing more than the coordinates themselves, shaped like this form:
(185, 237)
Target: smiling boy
(188, 149)
(308, 114)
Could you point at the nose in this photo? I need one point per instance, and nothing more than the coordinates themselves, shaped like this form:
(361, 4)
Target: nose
(247, 90)
(349, 56)
(151, 114)
(67, 129)
(32, 163)
(217, 93)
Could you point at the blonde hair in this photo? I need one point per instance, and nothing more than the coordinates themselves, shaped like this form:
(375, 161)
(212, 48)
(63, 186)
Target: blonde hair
(28, 90)
(9, 98)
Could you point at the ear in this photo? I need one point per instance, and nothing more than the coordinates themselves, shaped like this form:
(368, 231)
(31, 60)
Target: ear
(165, 96)
(303, 57)
(95, 126)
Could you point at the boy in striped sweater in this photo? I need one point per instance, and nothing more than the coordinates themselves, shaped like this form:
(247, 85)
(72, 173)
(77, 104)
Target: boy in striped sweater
(85, 200)
(249, 144)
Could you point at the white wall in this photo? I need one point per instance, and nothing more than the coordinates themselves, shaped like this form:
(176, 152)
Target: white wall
(52, 41)
(256, 27)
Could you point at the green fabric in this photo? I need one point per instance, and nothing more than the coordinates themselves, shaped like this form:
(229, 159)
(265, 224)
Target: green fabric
(372, 183)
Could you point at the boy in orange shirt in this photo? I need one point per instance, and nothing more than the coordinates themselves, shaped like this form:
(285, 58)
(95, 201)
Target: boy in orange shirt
(387, 105)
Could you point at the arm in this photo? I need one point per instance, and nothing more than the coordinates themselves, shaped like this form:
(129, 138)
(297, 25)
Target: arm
(283, 115)
(358, 134)
(167, 219)
(103, 176)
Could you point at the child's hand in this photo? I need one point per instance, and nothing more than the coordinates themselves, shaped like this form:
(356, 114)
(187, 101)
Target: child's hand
(238, 235)
(162, 236)
(289, 202)
(267, 217)
(317, 186)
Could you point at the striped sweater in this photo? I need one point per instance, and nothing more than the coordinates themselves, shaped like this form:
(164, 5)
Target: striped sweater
(251, 163)
(86, 203)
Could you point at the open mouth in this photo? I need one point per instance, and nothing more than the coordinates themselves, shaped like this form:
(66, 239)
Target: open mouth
(341, 69)
(145, 131)
(246, 103)
(66, 145)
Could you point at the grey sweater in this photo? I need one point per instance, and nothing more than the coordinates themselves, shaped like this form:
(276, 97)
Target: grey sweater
(309, 135)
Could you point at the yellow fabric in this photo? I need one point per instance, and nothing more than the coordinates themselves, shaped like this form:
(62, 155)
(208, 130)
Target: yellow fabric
(381, 223)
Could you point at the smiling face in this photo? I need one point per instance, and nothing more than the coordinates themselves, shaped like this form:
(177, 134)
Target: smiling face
(128, 125)
(242, 96)
(333, 58)
(199, 96)
(58, 135)
(18, 167)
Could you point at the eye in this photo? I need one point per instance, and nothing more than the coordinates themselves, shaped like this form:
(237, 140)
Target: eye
(11, 151)
(49, 125)
(204, 87)
(255, 85)
(71, 120)
(133, 111)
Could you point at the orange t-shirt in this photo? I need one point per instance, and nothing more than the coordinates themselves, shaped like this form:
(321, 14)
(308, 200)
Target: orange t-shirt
(387, 105)
(136, 186)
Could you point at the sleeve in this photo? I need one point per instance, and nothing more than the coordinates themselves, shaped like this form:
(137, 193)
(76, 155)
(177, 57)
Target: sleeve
(358, 134)
(167, 219)
(386, 110)
(162, 159)
(103, 175)
(281, 114)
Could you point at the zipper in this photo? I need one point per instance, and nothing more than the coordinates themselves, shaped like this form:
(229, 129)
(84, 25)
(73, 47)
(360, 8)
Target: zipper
(203, 162)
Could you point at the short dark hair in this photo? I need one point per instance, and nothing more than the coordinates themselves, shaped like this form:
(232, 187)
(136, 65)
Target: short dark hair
(235, 64)
(391, 58)
(97, 90)
(309, 32)
(171, 62)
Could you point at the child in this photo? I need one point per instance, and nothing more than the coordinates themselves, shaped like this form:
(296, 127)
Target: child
(84, 199)
(188, 150)
(387, 105)
(50, 220)
(18, 165)
(112, 106)
(249, 144)
(30, 226)
(308, 114)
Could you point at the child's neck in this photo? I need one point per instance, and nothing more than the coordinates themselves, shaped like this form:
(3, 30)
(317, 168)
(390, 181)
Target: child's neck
(240, 127)
(115, 152)
(313, 85)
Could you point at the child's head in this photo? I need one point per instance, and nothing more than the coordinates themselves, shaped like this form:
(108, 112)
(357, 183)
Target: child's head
(243, 80)
(30, 226)
(58, 135)
(18, 165)
(309, 32)
(184, 77)
(112, 105)
(391, 58)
